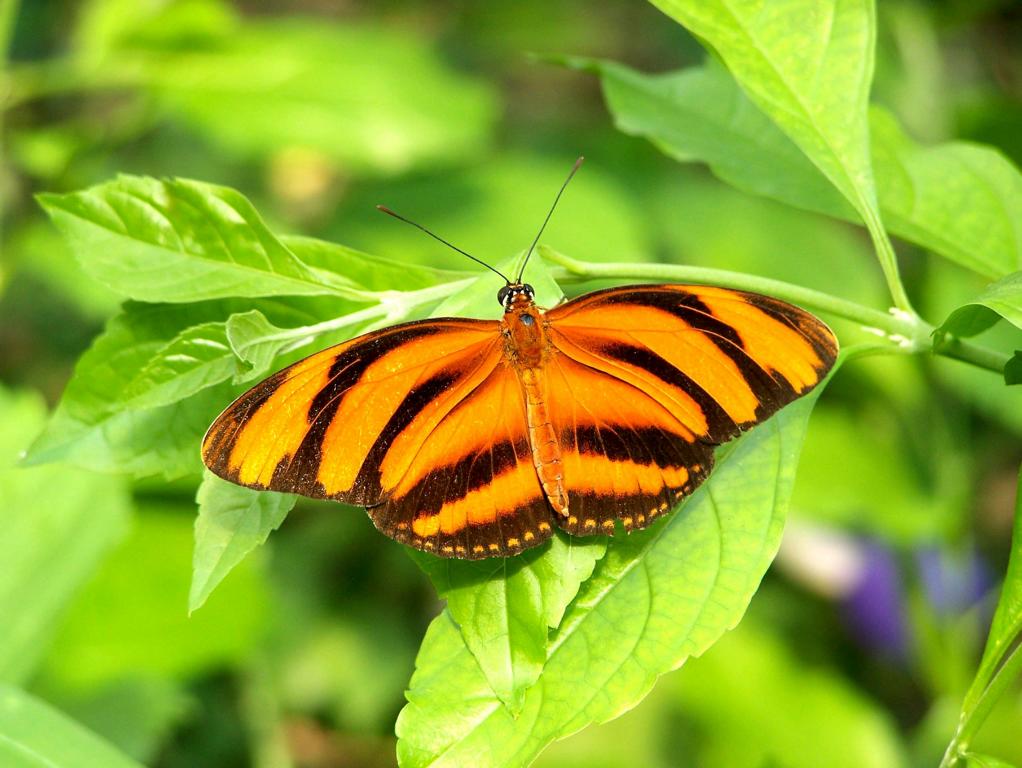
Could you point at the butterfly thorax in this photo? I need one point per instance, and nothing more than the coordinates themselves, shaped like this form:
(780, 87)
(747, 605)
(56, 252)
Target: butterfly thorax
(524, 334)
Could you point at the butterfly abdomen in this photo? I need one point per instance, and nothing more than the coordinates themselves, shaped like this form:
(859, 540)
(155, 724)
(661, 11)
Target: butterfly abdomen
(546, 448)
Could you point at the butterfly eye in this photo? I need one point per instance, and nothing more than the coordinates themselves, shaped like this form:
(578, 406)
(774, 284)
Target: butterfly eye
(529, 290)
(502, 294)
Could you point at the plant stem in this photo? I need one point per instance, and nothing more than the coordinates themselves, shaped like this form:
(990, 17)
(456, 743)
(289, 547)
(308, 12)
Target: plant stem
(391, 306)
(970, 722)
(888, 259)
(904, 331)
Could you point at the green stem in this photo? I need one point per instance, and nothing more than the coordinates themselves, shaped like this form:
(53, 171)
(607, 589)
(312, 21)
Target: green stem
(886, 256)
(389, 306)
(903, 331)
(971, 722)
(981, 357)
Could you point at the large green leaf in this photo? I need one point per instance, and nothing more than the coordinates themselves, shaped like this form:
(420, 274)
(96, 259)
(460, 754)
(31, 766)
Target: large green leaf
(960, 200)
(656, 598)
(808, 65)
(58, 524)
(179, 240)
(505, 607)
(232, 522)
(34, 735)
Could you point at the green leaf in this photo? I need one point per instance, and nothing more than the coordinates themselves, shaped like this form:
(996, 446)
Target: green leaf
(806, 64)
(132, 619)
(91, 426)
(258, 342)
(58, 525)
(33, 735)
(701, 115)
(178, 241)
(196, 358)
(505, 607)
(340, 91)
(255, 339)
(365, 272)
(1000, 299)
(960, 200)
(656, 598)
(147, 389)
(799, 712)
(232, 522)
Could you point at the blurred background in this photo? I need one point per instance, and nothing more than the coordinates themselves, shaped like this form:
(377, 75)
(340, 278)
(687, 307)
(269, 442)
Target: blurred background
(869, 625)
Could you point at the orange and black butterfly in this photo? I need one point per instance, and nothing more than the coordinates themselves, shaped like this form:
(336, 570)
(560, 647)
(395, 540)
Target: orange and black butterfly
(474, 438)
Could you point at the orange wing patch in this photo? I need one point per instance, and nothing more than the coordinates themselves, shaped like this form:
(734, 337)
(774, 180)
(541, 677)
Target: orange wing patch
(472, 490)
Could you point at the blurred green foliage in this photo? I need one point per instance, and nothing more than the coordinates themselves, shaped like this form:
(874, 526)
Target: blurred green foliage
(860, 646)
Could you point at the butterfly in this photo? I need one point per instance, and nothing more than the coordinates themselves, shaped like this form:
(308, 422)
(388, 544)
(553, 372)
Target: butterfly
(476, 438)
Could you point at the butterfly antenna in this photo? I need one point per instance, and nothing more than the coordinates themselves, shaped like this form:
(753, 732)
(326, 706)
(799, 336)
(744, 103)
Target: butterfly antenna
(550, 213)
(399, 217)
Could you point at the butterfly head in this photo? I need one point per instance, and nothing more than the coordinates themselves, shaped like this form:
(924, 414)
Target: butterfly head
(515, 294)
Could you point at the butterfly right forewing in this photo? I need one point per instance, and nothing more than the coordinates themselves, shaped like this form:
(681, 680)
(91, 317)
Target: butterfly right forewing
(692, 366)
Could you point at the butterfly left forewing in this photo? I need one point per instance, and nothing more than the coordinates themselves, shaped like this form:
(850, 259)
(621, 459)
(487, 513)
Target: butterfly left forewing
(345, 422)
(421, 423)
